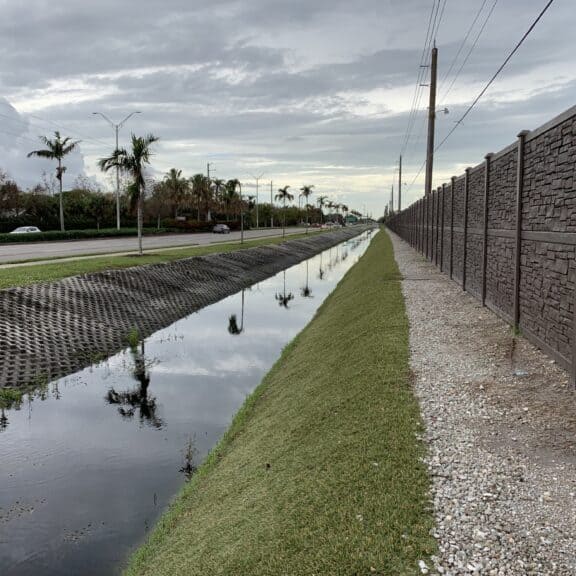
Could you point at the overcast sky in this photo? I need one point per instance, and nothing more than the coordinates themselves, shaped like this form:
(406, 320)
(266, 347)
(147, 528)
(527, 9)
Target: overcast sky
(303, 91)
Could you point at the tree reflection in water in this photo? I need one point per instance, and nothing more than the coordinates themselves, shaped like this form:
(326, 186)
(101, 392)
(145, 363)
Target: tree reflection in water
(137, 400)
(321, 270)
(233, 327)
(306, 291)
(284, 299)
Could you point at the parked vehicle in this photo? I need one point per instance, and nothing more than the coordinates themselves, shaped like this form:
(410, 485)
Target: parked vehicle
(221, 229)
(26, 230)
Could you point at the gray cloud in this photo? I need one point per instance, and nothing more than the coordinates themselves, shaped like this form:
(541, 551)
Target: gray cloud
(299, 87)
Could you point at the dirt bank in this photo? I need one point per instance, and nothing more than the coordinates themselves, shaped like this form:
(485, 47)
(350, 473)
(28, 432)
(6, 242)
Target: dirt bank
(53, 329)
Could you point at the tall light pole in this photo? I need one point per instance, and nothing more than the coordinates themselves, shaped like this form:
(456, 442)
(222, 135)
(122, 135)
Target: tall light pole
(116, 129)
(271, 205)
(257, 178)
(241, 214)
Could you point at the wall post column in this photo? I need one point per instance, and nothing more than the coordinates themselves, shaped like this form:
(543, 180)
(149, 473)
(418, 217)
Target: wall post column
(453, 179)
(488, 159)
(518, 249)
(465, 244)
(443, 193)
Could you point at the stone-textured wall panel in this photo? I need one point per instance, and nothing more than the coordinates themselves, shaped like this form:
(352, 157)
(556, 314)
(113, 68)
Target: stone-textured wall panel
(500, 274)
(459, 203)
(474, 263)
(502, 199)
(547, 293)
(549, 199)
(447, 216)
(458, 256)
(476, 198)
(547, 288)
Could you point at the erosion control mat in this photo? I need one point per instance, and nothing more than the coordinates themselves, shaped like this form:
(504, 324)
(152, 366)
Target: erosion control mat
(53, 329)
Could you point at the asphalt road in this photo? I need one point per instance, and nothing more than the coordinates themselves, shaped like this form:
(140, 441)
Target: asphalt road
(71, 248)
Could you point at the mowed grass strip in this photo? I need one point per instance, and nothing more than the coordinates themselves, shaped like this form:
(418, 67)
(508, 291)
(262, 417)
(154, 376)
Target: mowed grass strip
(33, 274)
(320, 472)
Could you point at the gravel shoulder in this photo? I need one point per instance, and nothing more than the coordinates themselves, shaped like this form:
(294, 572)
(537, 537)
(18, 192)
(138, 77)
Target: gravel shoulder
(500, 427)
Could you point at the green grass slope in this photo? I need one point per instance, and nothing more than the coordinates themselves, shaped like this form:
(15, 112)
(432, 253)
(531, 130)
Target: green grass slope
(320, 472)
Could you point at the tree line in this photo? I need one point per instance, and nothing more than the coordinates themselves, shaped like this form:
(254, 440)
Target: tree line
(173, 201)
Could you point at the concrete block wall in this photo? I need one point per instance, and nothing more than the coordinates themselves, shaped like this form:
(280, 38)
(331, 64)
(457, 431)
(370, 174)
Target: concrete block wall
(506, 232)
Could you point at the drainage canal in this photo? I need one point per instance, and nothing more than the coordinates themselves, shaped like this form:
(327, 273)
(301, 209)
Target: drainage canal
(88, 464)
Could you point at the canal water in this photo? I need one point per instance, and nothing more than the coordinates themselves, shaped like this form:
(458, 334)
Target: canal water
(88, 464)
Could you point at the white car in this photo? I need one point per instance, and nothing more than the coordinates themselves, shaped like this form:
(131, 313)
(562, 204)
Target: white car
(26, 230)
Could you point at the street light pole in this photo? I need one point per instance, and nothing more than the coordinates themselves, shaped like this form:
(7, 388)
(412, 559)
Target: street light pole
(271, 205)
(116, 129)
(257, 178)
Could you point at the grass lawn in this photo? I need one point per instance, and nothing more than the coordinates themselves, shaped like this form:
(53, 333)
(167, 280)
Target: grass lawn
(320, 472)
(24, 275)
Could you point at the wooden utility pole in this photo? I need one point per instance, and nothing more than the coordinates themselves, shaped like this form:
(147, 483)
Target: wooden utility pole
(400, 185)
(431, 121)
(392, 199)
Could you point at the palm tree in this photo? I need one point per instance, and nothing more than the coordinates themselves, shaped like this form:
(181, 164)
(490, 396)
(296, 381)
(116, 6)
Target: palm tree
(330, 205)
(56, 150)
(177, 187)
(219, 187)
(284, 195)
(345, 210)
(306, 192)
(233, 184)
(321, 203)
(230, 195)
(133, 163)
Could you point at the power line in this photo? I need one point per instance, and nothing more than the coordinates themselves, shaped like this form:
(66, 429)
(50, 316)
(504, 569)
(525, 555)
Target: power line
(438, 16)
(463, 43)
(68, 129)
(471, 49)
(440, 19)
(508, 58)
(29, 124)
(483, 91)
(419, 78)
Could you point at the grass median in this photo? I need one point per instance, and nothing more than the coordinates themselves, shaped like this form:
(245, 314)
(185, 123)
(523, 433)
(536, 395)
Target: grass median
(321, 471)
(58, 269)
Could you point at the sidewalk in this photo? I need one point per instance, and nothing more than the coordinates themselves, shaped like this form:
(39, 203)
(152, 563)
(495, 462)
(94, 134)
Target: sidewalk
(501, 423)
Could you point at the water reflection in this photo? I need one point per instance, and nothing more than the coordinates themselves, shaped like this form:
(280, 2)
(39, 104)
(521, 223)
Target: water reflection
(306, 291)
(284, 298)
(321, 271)
(233, 327)
(137, 400)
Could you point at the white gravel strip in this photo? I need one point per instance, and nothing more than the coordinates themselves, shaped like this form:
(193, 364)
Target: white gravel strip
(501, 427)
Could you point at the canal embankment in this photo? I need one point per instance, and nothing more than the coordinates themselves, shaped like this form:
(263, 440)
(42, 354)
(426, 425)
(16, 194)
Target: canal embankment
(321, 471)
(50, 329)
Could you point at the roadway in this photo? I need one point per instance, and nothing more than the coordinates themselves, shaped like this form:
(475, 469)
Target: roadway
(77, 248)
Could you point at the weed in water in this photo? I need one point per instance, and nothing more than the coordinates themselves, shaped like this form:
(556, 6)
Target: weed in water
(190, 456)
(133, 338)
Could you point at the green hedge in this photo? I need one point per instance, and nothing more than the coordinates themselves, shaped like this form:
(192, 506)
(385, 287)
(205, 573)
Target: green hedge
(76, 234)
